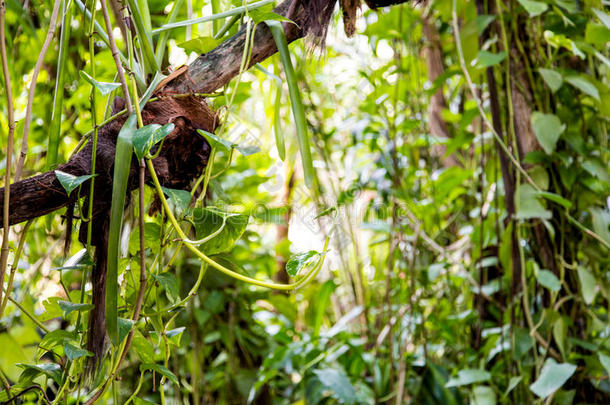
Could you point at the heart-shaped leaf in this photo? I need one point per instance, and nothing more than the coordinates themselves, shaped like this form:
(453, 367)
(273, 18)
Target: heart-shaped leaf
(178, 198)
(68, 307)
(208, 221)
(552, 377)
(72, 352)
(148, 136)
(301, 261)
(216, 142)
(69, 181)
(547, 128)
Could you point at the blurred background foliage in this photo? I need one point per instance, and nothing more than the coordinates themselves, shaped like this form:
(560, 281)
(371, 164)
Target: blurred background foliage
(434, 289)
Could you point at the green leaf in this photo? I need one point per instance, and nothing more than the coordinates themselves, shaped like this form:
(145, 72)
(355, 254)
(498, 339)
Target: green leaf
(560, 333)
(296, 103)
(122, 164)
(208, 221)
(69, 181)
(301, 261)
(337, 382)
(143, 348)
(552, 377)
(31, 371)
(588, 285)
(125, 326)
(148, 136)
(529, 206)
(468, 376)
(486, 59)
(178, 198)
(597, 169)
(68, 307)
(175, 335)
(200, 45)
(583, 84)
(603, 17)
(534, 8)
(605, 361)
(512, 383)
(547, 128)
(216, 142)
(161, 370)
(601, 222)
(169, 283)
(549, 280)
(72, 352)
(483, 395)
(564, 202)
(483, 21)
(103, 87)
(247, 150)
(552, 78)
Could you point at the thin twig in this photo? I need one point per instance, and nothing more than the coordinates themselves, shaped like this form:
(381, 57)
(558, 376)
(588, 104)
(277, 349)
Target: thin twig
(9, 148)
(115, 55)
(28, 108)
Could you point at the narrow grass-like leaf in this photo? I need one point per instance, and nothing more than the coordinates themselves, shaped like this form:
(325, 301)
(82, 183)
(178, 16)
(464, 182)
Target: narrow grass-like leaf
(122, 162)
(162, 41)
(219, 16)
(58, 97)
(144, 36)
(103, 87)
(295, 100)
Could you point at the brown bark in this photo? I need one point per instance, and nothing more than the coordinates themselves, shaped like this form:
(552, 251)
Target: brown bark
(282, 230)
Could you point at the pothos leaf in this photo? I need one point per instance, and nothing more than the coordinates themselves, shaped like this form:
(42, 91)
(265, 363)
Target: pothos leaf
(208, 221)
(165, 372)
(148, 136)
(69, 181)
(301, 261)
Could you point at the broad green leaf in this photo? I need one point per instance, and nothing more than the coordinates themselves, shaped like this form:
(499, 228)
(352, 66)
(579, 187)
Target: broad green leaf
(103, 87)
(73, 352)
(549, 280)
(486, 59)
(148, 136)
(605, 361)
(169, 283)
(143, 348)
(534, 8)
(583, 84)
(208, 221)
(601, 222)
(161, 370)
(468, 376)
(125, 326)
(529, 206)
(483, 21)
(552, 78)
(216, 142)
(552, 377)
(69, 181)
(603, 17)
(175, 335)
(68, 307)
(122, 163)
(483, 395)
(512, 383)
(336, 381)
(178, 198)
(52, 340)
(547, 128)
(597, 169)
(31, 371)
(301, 261)
(588, 285)
(200, 45)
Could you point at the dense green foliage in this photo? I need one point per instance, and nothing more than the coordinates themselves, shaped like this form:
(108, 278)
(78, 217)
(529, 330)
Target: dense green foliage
(460, 180)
